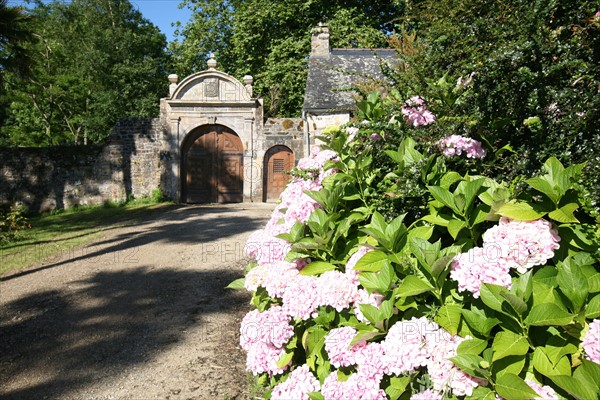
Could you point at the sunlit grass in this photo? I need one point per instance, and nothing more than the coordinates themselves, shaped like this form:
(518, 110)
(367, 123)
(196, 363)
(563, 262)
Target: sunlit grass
(61, 235)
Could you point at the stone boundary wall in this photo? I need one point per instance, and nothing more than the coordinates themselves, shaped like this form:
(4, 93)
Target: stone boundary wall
(43, 179)
(283, 126)
(284, 131)
(132, 164)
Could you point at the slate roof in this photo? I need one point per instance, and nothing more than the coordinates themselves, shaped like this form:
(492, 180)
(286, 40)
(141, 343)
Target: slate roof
(327, 76)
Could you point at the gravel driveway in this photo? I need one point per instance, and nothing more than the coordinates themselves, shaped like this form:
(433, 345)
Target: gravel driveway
(141, 313)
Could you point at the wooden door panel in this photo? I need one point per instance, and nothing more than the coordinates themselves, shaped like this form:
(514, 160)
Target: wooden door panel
(213, 168)
(199, 178)
(279, 163)
(230, 183)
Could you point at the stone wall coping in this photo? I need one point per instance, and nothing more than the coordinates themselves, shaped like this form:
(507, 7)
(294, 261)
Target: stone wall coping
(219, 104)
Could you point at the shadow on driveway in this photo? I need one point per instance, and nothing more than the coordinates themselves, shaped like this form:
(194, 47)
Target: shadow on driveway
(179, 224)
(56, 342)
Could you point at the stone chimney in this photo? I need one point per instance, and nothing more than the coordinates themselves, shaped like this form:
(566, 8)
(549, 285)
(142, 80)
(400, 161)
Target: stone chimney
(320, 41)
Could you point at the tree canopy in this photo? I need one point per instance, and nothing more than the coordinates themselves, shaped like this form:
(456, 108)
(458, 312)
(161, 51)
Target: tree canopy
(95, 61)
(271, 40)
(15, 33)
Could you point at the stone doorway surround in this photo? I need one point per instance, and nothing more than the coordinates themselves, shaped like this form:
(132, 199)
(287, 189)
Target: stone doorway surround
(209, 98)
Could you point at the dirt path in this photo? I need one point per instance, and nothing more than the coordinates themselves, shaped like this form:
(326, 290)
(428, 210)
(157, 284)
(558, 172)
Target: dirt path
(140, 314)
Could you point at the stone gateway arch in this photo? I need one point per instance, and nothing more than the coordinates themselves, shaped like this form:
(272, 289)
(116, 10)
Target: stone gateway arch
(214, 140)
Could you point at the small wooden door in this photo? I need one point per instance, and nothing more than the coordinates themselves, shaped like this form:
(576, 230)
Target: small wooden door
(212, 168)
(279, 161)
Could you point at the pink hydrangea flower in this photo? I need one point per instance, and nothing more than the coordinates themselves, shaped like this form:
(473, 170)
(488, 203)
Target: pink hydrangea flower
(352, 132)
(278, 223)
(294, 192)
(308, 163)
(326, 155)
(301, 297)
(455, 145)
(256, 277)
(279, 275)
(253, 243)
(298, 205)
(443, 373)
(427, 395)
(416, 113)
(544, 392)
(521, 244)
(422, 343)
(405, 347)
(297, 386)
(337, 290)
(262, 357)
(263, 336)
(314, 151)
(272, 250)
(415, 101)
(325, 174)
(369, 361)
(295, 205)
(355, 387)
(475, 267)
(271, 327)
(591, 341)
(273, 277)
(337, 346)
(264, 247)
(301, 210)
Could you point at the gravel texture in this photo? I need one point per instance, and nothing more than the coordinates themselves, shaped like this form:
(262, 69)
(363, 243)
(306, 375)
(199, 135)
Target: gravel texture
(142, 313)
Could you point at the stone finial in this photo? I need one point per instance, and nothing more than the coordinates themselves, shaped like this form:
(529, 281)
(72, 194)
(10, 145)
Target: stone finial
(320, 41)
(173, 78)
(248, 80)
(212, 62)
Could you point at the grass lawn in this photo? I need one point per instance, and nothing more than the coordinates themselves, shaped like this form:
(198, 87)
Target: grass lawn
(58, 236)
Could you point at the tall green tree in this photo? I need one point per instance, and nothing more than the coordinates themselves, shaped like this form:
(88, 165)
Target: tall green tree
(95, 61)
(271, 40)
(15, 33)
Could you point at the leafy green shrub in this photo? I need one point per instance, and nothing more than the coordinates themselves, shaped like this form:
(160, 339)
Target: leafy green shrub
(534, 70)
(486, 289)
(12, 222)
(157, 196)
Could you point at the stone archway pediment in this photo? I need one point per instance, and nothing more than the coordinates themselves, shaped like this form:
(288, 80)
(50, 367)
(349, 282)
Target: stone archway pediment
(211, 87)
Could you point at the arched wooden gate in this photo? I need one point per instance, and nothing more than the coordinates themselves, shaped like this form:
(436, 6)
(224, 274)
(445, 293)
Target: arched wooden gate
(212, 169)
(278, 162)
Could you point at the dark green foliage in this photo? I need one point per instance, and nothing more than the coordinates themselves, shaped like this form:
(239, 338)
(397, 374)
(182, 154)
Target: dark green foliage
(15, 34)
(536, 74)
(94, 62)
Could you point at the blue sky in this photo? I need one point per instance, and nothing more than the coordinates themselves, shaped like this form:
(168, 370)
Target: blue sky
(161, 12)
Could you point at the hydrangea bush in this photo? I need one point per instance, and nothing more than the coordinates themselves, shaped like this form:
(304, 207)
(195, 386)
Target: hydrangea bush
(485, 292)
